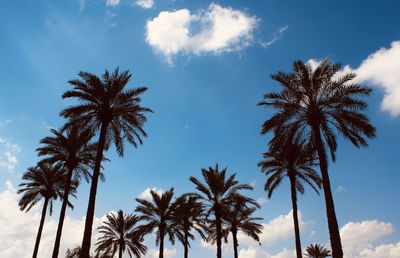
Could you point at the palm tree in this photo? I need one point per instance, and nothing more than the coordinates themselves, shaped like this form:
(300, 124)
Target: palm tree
(315, 105)
(43, 181)
(295, 160)
(71, 148)
(108, 107)
(317, 251)
(159, 215)
(216, 194)
(120, 232)
(238, 216)
(188, 216)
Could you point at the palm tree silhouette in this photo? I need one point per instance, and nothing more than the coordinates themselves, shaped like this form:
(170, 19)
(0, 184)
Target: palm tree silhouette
(317, 251)
(238, 216)
(120, 232)
(108, 107)
(295, 160)
(159, 215)
(188, 216)
(43, 181)
(216, 194)
(315, 105)
(74, 152)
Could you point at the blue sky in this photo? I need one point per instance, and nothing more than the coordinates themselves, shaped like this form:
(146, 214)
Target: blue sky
(206, 64)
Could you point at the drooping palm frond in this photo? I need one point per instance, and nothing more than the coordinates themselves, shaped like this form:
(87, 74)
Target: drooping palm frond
(317, 251)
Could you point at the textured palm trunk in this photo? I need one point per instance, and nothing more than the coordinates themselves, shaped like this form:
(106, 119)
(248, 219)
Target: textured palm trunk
(235, 243)
(186, 245)
(161, 255)
(333, 226)
(295, 217)
(120, 250)
(219, 232)
(39, 234)
(87, 235)
(62, 213)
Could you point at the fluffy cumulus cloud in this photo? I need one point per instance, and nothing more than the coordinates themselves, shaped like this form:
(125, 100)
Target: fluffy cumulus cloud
(168, 253)
(382, 251)
(258, 252)
(8, 155)
(215, 30)
(112, 2)
(147, 4)
(380, 69)
(18, 234)
(147, 195)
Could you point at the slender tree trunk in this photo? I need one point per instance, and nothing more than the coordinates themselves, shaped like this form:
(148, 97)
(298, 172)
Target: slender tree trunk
(295, 217)
(333, 226)
(161, 254)
(235, 243)
(120, 250)
(219, 231)
(39, 234)
(62, 213)
(186, 245)
(87, 235)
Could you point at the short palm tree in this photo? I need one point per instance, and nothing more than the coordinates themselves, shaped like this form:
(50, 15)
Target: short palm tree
(188, 216)
(159, 215)
(295, 160)
(317, 251)
(120, 232)
(316, 105)
(71, 148)
(216, 194)
(105, 106)
(44, 181)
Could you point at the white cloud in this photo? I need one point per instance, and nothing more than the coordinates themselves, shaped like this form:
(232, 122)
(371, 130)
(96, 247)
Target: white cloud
(147, 4)
(168, 253)
(276, 37)
(382, 251)
(357, 236)
(8, 152)
(215, 30)
(112, 2)
(147, 195)
(340, 189)
(380, 69)
(262, 201)
(258, 252)
(18, 234)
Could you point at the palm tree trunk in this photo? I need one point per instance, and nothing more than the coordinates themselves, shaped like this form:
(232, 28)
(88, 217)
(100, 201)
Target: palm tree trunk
(333, 226)
(87, 235)
(186, 245)
(219, 232)
(39, 234)
(295, 217)
(120, 250)
(235, 243)
(62, 213)
(161, 254)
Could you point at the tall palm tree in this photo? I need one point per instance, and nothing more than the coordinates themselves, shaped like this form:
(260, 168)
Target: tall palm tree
(315, 104)
(216, 194)
(317, 251)
(159, 215)
(188, 216)
(120, 232)
(105, 106)
(44, 181)
(71, 148)
(295, 160)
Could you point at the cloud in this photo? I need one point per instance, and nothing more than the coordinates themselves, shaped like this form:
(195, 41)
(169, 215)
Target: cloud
(18, 234)
(382, 251)
(112, 2)
(357, 236)
(258, 252)
(276, 37)
(147, 4)
(340, 189)
(261, 201)
(380, 69)
(8, 152)
(215, 30)
(168, 253)
(147, 195)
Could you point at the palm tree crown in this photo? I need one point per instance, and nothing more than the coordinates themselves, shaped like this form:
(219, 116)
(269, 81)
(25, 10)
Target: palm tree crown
(120, 233)
(317, 251)
(159, 215)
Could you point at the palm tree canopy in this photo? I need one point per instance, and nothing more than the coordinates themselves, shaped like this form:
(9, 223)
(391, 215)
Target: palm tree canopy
(106, 102)
(319, 99)
(120, 231)
(317, 251)
(159, 214)
(43, 181)
(292, 158)
(72, 148)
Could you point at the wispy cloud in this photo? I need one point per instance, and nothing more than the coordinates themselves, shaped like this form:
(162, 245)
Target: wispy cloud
(146, 4)
(8, 154)
(277, 35)
(112, 2)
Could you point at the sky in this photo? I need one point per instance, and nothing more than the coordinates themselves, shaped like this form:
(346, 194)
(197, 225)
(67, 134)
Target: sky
(206, 64)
